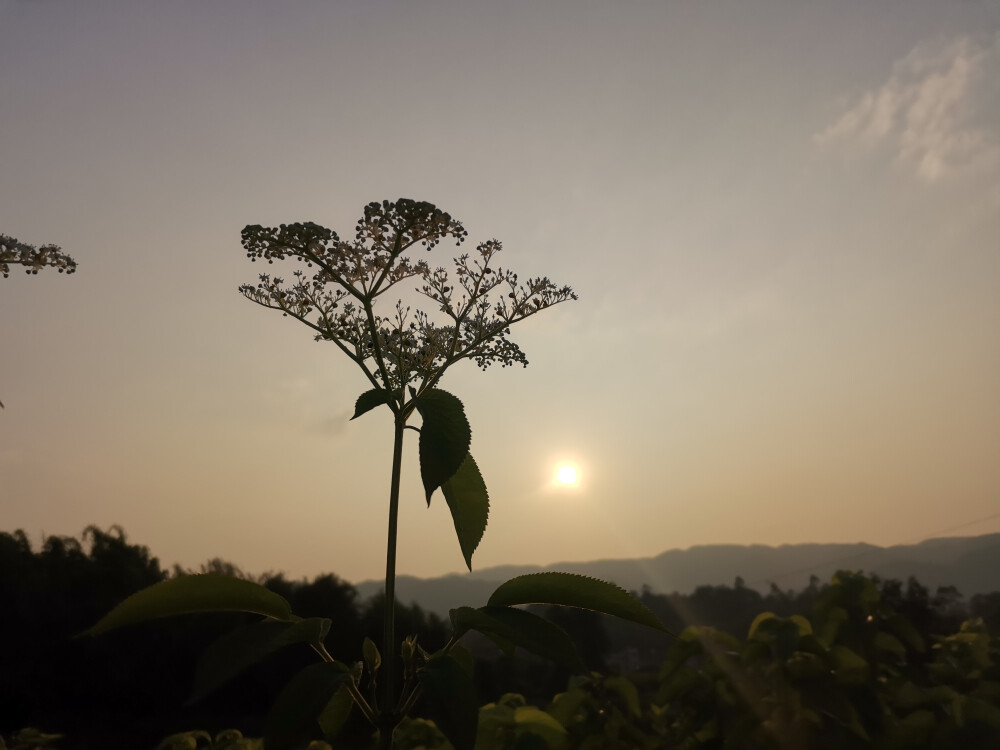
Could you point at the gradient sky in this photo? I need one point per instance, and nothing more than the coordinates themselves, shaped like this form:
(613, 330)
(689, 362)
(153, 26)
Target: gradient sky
(782, 218)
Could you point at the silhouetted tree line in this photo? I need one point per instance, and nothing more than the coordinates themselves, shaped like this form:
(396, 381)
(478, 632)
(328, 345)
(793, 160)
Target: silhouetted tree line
(130, 688)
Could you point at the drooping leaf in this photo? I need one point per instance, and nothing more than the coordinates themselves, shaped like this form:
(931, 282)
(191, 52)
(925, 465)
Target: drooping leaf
(451, 700)
(240, 649)
(208, 592)
(572, 590)
(520, 628)
(444, 437)
(294, 717)
(370, 399)
(469, 502)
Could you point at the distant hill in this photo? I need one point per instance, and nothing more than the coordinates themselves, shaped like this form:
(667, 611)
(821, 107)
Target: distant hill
(972, 564)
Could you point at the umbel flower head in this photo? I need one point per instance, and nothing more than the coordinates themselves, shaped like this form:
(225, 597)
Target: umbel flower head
(32, 258)
(335, 285)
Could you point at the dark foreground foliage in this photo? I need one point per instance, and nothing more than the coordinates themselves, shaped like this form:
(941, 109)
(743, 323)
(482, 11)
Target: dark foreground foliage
(857, 663)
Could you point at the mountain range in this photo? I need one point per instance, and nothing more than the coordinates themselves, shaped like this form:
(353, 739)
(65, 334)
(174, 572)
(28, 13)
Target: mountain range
(972, 564)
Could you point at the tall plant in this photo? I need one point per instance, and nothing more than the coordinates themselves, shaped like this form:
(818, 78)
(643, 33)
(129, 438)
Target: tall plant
(337, 289)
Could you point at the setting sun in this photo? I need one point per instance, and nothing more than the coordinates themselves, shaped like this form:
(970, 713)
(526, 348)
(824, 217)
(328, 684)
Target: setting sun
(567, 475)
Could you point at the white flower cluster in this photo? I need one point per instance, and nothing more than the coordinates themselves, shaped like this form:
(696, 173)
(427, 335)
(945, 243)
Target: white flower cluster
(474, 311)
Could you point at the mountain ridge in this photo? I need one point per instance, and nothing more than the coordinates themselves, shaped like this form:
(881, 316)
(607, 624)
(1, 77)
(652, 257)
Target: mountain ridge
(971, 564)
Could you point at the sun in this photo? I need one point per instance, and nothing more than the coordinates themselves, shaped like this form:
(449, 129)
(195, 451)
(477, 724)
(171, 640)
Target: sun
(567, 475)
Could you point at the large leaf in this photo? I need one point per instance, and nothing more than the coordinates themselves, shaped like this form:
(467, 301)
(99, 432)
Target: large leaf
(370, 399)
(520, 628)
(336, 712)
(470, 505)
(451, 700)
(571, 590)
(183, 595)
(444, 437)
(295, 716)
(240, 649)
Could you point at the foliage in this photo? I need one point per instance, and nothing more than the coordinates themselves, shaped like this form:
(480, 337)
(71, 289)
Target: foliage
(336, 291)
(12, 251)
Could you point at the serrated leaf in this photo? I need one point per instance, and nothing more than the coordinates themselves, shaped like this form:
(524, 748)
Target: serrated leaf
(240, 649)
(572, 590)
(469, 503)
(451, 700)
(445, 437)
(370, 399)
(520, 628)
(294, 718)
(207, 592)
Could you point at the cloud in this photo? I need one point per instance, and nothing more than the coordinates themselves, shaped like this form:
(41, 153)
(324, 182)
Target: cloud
(937, 114)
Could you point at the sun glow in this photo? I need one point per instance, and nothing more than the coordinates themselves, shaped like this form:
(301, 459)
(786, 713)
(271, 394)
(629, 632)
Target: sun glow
(567, 475)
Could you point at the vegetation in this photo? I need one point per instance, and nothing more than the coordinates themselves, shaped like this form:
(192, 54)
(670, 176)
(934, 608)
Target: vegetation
(734, 678)
(337, 291)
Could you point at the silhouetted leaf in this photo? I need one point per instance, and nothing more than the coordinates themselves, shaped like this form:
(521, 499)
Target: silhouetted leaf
(294, 717)
(571, 590)
(370, 399)
(444, 438)
(451, 700)
(240, 649)
(520, 628)
(207, 592)
(470, 505)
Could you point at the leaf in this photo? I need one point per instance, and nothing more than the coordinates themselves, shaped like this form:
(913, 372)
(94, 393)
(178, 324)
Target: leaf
(572, 590)
(469, 502)
(207, 592)
(626, 691)
(373, 659)
(451, 700)
(336, 712)
(521, 628)
(370, 399)
(293, 719)
(444, 437)
(240, 649)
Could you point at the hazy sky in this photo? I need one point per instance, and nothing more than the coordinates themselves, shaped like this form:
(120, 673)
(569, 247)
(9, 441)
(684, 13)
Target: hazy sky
(782, 218)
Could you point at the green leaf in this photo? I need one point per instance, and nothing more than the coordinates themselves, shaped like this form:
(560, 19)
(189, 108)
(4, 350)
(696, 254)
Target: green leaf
(626, 691)
(444, 437)
(370, 399)
(207, 592)
(470, 505)
(294, 718)
(451, 700)
(571, 590)
(373, 659)
(521, 628)
(336, 712)
(240, 649)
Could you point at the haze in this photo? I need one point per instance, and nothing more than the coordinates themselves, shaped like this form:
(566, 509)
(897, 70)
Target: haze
(782, 219)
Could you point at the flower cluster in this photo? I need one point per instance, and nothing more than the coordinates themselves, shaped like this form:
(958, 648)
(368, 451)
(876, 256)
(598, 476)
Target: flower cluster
(335, 293)
(33, 258)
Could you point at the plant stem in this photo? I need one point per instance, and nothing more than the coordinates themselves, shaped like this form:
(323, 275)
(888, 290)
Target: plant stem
(388, 720)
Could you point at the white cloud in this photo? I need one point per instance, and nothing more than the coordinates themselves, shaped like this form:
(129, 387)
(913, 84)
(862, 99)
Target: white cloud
(939, 112)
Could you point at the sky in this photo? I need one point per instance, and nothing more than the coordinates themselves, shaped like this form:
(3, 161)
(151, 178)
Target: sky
(782, 220)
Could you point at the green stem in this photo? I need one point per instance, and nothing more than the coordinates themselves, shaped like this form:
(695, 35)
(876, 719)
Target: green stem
(387, 718)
